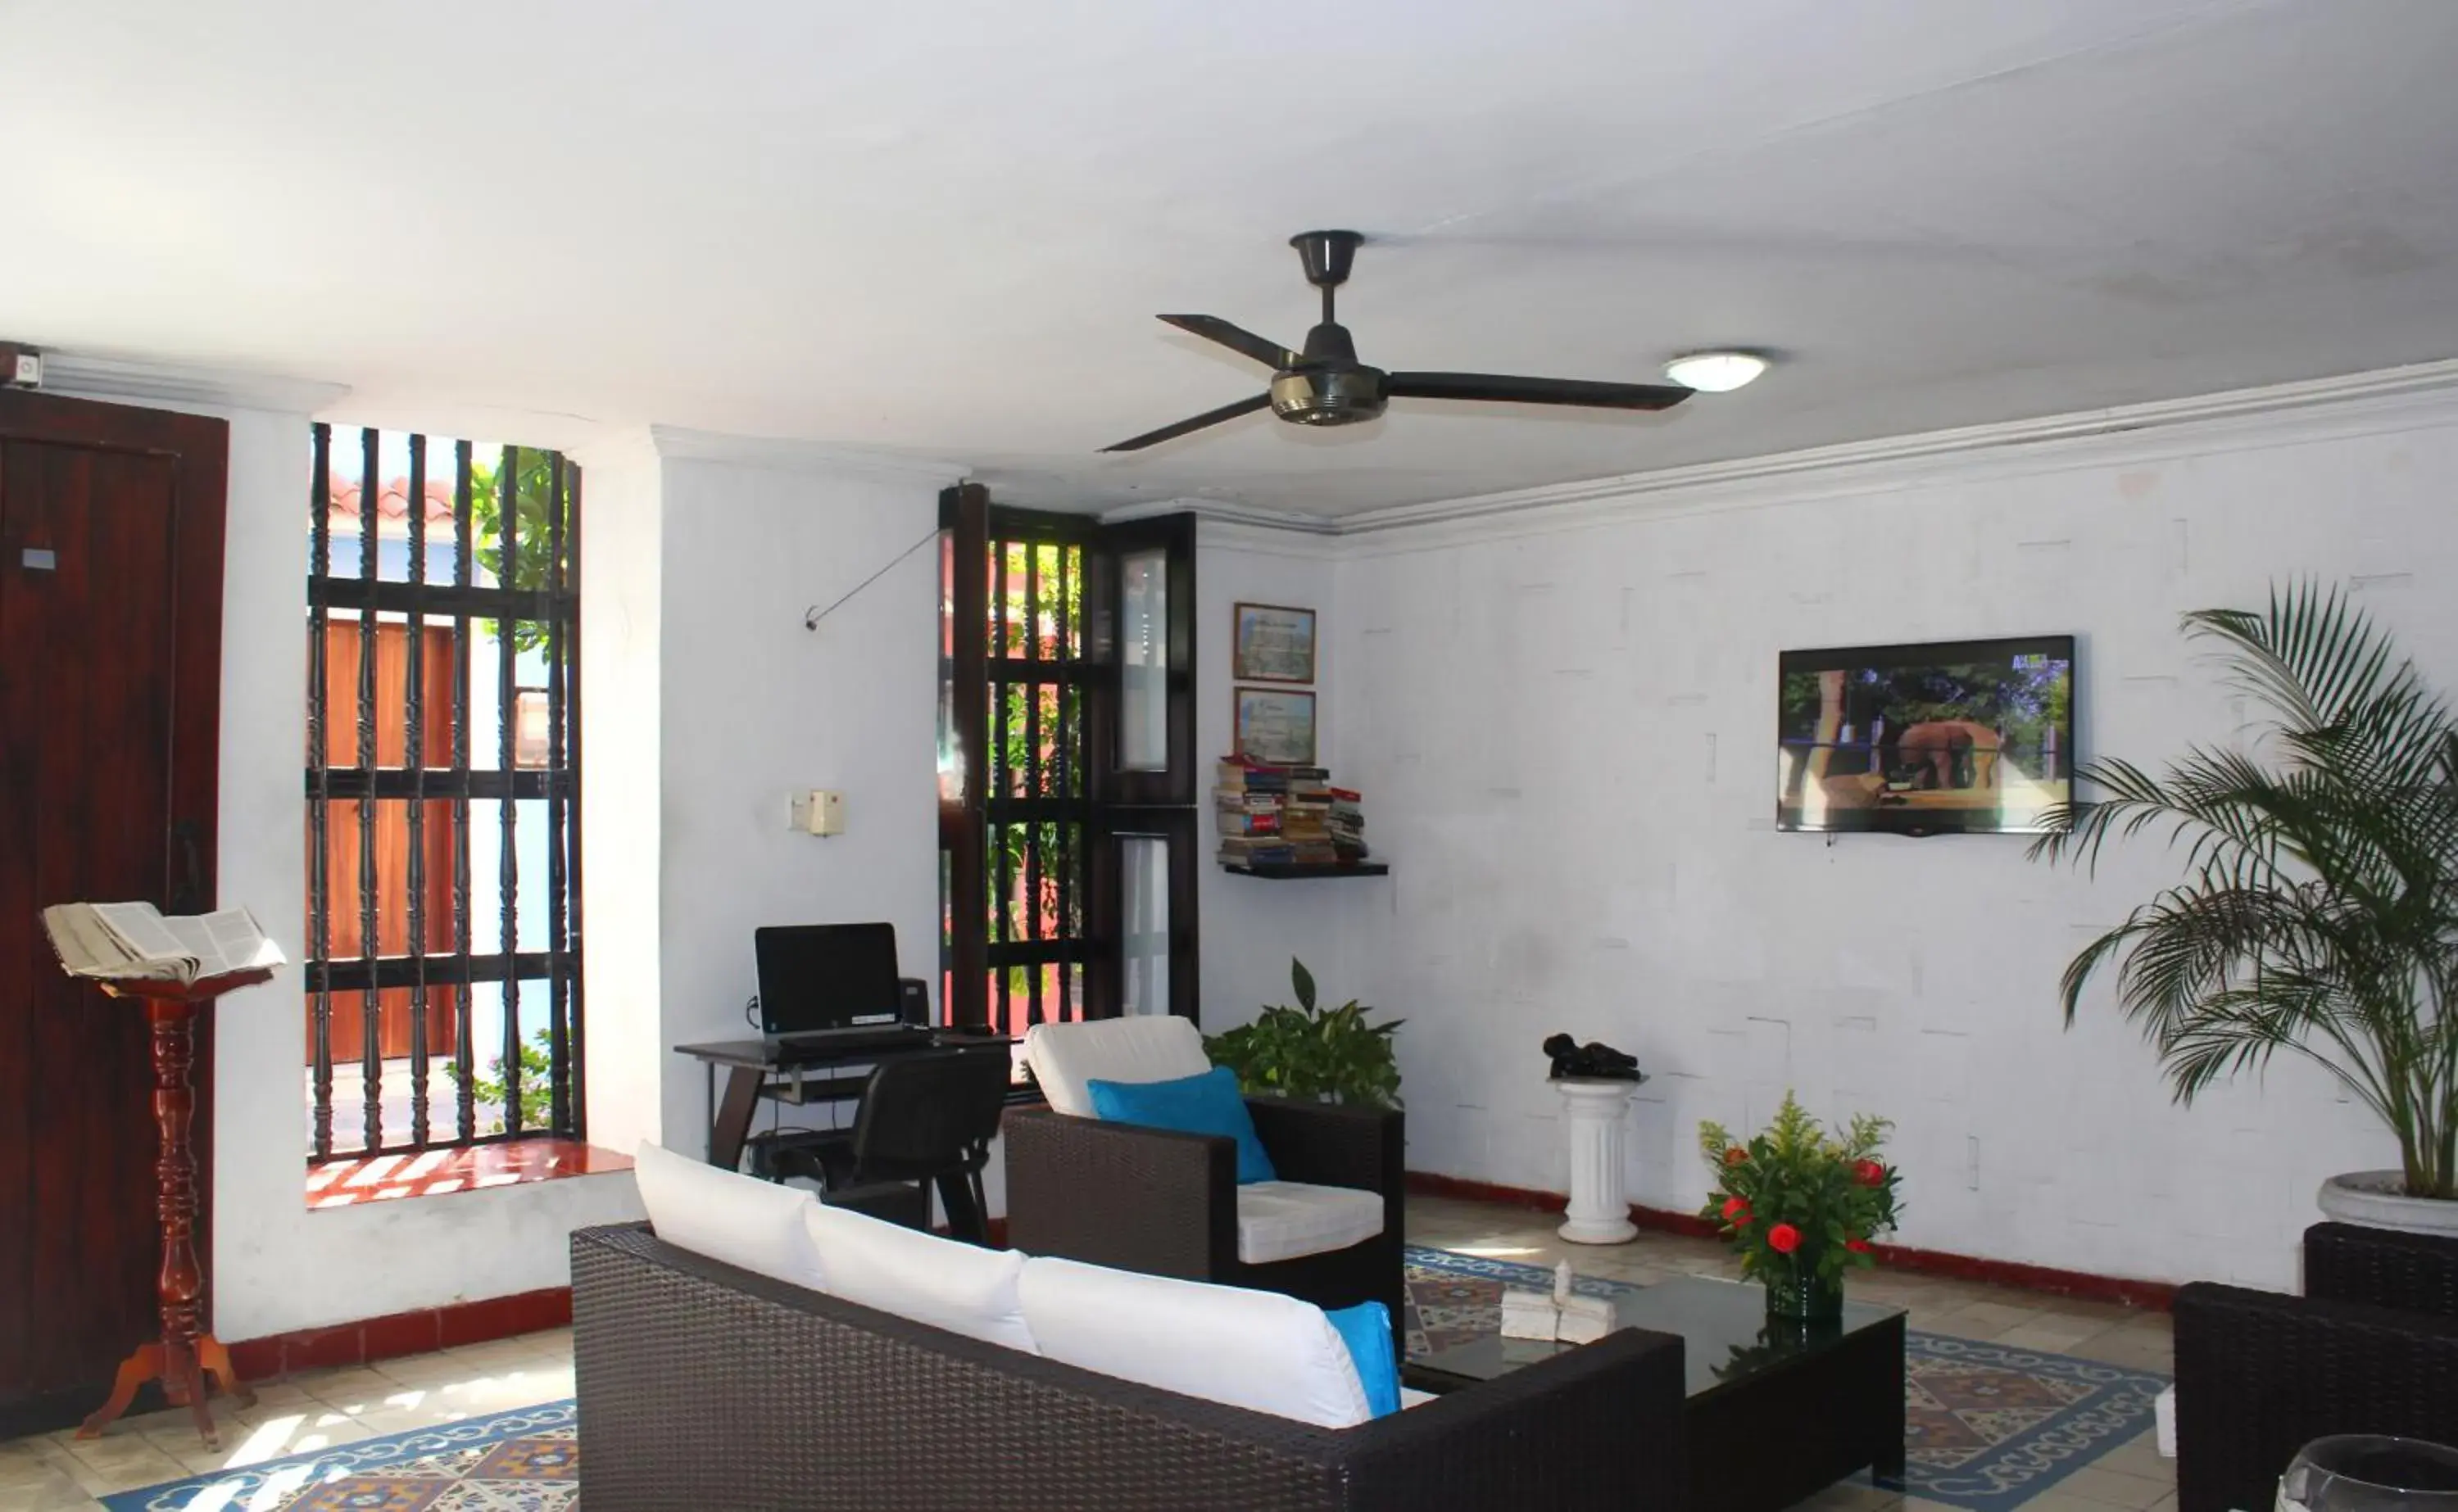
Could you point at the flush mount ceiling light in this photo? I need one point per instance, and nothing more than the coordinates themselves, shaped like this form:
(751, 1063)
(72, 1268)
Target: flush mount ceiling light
(1715, 372)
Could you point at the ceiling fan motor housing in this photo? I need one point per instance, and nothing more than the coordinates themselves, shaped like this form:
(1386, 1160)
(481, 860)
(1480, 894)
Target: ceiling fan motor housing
(1328, 396)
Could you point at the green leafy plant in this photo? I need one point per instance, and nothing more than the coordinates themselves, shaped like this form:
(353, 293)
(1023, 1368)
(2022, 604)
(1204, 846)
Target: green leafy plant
(1798, 1203)
(2319, 912)
(537, 1097)
(1332, 1054)
(534, 502)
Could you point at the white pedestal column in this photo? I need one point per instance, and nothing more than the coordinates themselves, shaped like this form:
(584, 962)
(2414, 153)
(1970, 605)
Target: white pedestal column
(1599, 1211)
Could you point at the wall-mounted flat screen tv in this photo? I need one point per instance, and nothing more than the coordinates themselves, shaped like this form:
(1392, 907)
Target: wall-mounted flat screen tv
(1955, 737)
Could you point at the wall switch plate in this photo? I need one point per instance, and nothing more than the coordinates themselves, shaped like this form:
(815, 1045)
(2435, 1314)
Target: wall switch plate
(817, 812)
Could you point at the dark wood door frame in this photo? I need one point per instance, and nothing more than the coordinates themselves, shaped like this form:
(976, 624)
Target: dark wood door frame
(197, 450)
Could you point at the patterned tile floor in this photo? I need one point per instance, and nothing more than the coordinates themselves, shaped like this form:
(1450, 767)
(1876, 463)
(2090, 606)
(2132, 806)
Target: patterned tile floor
(54, 1473)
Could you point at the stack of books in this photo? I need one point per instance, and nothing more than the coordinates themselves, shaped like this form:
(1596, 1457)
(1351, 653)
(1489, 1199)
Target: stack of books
(1275, 816)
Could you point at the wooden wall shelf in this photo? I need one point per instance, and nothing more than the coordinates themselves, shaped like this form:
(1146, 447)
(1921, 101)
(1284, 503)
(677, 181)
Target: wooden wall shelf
(1287, 873)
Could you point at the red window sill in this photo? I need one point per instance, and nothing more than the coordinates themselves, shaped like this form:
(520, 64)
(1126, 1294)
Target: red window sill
(443, 1172)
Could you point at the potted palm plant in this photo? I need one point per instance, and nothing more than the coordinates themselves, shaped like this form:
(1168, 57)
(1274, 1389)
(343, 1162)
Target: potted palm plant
(2319, 910)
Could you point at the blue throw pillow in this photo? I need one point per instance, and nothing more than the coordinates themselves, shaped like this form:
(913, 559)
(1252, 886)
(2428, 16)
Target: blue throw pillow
(1366, 1330)
(1209, 1104)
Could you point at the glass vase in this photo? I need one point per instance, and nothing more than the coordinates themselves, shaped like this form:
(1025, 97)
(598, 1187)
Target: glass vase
(1798, 1293)
(2370, 1473)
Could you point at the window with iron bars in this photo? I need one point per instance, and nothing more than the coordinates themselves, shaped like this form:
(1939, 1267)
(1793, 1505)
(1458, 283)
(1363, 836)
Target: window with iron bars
(443, 784)
(1066, 766)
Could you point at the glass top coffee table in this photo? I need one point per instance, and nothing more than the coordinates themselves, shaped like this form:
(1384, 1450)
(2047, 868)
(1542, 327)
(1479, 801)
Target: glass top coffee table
(1776, 1410)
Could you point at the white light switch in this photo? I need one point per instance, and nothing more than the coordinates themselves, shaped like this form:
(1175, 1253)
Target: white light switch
(817, 812)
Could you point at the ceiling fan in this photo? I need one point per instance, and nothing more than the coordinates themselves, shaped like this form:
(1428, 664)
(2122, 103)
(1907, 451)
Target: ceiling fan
(1326, 384)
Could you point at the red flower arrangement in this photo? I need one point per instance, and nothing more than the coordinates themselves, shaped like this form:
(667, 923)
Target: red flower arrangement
(1800, 1206)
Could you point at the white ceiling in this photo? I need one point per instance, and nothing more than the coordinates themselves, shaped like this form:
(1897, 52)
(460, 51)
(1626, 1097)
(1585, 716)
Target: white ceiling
(943, 228)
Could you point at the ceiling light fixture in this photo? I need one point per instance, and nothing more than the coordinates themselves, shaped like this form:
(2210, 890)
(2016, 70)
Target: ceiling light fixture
(1715, 372)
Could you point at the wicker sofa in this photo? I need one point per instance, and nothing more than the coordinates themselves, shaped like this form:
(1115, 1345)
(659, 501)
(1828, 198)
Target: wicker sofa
(701, 1385)
(2370, 1347)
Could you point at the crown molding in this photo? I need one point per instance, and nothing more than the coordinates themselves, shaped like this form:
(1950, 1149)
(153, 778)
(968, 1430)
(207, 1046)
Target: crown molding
(2386, 399)
(1222, 511)
(677, 443)
(90, 376)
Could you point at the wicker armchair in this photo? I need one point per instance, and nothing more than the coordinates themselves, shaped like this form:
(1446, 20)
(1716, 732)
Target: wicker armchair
(704, 1386)
(2371, 1347)
(1166, 1203)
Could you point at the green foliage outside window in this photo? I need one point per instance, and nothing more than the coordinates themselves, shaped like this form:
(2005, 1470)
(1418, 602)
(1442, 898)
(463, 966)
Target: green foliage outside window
(537, 1094)
(533, 507)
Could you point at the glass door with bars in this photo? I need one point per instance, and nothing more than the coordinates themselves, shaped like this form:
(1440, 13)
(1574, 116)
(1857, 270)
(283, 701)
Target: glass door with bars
(1066, 766)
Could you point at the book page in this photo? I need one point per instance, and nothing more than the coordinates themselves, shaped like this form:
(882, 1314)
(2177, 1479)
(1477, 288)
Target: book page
(87, 947)
(227, 941)
(145, 932)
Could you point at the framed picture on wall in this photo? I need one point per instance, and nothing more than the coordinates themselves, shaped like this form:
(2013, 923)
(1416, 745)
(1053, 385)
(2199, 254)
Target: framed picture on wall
(1276, 726)
(1275, 644)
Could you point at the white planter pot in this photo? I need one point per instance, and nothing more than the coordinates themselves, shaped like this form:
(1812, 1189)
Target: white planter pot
(2374, 1199)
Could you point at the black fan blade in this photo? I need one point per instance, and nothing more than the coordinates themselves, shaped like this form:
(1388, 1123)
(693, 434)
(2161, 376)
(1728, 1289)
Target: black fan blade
(1244, 342)
(1210, 416)
(1534, 390)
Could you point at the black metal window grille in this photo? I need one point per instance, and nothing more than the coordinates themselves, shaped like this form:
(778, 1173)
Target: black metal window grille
(1035, 810)
(442, 780)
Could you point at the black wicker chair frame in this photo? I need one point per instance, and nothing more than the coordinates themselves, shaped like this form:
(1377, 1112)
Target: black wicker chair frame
(2371, 1347)
(701, 1385)
(1166, 1203)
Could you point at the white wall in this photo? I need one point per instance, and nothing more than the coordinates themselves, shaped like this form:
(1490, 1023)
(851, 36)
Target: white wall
(754, 706)
(277, 1266)
(1251, 927)
(622, 614)
(1563, 730)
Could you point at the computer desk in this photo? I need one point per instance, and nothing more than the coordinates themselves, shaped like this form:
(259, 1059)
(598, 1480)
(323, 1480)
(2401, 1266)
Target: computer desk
(801, 1076)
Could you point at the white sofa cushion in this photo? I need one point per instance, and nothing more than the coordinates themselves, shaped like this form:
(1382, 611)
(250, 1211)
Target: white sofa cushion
(1255, 1349)
(959, 1287)
(1281, 1220)
(728, 1216)
(1145, 1048)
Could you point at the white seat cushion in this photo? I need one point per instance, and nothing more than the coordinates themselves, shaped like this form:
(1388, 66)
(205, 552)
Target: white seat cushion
(1281, 1220)
(1147, 1047)
(1255, 1349)
(728, 1216)
(959, 1287)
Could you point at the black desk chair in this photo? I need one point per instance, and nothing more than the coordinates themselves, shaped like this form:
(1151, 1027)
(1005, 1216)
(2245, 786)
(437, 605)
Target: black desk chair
(926, 1119)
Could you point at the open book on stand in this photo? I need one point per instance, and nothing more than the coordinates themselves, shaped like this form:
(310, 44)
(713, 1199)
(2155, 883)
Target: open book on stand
(134, 943)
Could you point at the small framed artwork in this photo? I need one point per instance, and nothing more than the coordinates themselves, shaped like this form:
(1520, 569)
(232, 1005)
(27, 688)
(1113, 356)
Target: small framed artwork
(1275, 644)
(1276, 726)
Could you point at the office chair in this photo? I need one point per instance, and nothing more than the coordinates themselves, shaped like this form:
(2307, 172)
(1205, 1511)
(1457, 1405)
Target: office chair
(926, 1119)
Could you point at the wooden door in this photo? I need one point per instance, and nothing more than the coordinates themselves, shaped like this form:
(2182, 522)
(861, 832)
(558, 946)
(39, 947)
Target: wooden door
(342, 851)
(111, 547)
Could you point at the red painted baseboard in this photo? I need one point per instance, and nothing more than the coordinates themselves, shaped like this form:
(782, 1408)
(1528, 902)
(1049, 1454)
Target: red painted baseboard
(397, 1333)
(2125, 1289)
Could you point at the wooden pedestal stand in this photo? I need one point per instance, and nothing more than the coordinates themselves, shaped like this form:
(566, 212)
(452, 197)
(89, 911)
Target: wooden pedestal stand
(180, 1359)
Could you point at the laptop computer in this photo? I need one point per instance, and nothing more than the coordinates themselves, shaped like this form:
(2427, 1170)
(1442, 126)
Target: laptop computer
(824, 983)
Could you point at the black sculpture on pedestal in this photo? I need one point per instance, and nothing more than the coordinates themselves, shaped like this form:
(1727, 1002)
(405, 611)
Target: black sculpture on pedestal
(1593, 1060)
